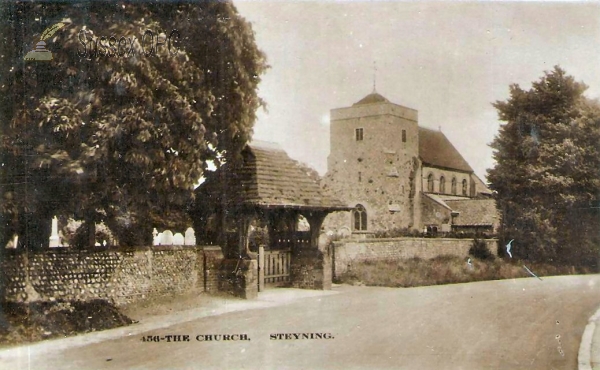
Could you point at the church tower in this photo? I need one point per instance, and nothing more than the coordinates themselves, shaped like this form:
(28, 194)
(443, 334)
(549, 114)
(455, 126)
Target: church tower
(374, 162)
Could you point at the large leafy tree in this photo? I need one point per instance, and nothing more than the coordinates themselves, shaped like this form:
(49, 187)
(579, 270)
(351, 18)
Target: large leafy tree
(547, 173)
(115, 131)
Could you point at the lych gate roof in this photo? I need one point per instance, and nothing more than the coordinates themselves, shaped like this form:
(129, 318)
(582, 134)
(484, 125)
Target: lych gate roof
(436, 150)
(270, 178)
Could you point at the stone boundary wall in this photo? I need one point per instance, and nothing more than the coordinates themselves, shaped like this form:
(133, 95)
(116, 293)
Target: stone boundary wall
(348, 252)
(120, 276)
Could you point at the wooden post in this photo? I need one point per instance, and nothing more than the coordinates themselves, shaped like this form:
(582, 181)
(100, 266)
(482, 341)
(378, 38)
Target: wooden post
(261, 268)
(273, 217)
(315, 220)
(244, 234)
(292, 223)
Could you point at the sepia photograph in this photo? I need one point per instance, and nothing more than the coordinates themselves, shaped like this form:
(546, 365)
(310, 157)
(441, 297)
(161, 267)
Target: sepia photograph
(294, 184)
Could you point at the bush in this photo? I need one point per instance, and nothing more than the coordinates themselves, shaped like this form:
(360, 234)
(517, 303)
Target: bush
(397, 233)
(480, 251)
(413, 233)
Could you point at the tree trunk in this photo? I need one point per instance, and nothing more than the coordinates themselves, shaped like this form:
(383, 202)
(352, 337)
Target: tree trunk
(3, 323)
(4, 229)
(91, 230)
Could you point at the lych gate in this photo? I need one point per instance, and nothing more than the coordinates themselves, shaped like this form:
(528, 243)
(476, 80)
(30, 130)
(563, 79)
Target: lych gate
(253, 210)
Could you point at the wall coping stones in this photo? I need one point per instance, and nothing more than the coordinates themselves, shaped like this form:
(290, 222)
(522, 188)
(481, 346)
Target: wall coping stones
(170, 247)
(68, 250)
(380, 240)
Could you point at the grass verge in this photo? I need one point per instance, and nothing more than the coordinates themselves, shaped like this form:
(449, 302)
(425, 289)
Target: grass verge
(445, 270)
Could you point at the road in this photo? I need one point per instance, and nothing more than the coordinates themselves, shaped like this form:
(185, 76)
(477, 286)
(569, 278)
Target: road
(511, 324)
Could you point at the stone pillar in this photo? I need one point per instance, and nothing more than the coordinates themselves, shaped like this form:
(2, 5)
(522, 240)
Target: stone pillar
(311, 270)
(212, 257)
(239, 278)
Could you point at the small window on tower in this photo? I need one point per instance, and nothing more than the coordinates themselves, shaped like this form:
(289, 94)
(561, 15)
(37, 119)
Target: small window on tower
(359, 134)
(359, 176)
(403, 136)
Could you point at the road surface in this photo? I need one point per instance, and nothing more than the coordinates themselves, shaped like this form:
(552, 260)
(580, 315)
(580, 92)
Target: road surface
(510, 324)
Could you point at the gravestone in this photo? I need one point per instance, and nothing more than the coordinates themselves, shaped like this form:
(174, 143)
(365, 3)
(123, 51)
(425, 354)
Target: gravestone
(156, 237)
(167, 238)
(178, 239)
(190, 237)
(54, 240)
(344, 232)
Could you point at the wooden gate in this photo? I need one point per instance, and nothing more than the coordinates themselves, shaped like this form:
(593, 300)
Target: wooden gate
(273, 267)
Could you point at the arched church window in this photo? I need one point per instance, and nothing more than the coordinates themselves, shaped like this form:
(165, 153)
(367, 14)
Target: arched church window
(360, 217)
(442, 185)
(464, 187)
(454, 186)
(430, 183)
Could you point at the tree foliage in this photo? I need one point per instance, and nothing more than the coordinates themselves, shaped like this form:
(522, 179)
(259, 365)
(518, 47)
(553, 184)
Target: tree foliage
(122, 139)
(547, 173)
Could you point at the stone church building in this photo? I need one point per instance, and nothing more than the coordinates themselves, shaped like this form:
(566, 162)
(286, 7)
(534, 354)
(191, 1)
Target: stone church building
(397, 175)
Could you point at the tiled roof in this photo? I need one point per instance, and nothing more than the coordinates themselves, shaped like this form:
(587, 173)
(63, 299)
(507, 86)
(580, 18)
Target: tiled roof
(446, 197)
(436, 150)
(438, 199)
(270, 178)
(481, 186)
(372, 98)
(474, 212)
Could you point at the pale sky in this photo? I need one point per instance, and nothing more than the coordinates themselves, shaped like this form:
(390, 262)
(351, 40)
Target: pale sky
(448, 60)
